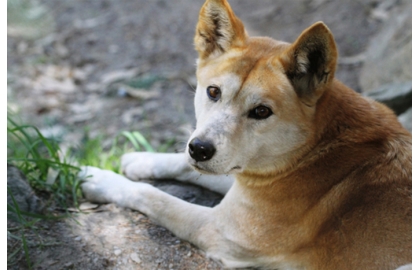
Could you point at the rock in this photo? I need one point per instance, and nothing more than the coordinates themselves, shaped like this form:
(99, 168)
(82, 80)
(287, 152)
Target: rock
(88, 206)
(382, 10)
(57, 79)
(388, 56)
(190, 193)
(406, 119)
(397, 96)
(118, 75)
(69, 264)
(53, 132)
(22, 192)
(144, 87)
(143, 94)
(135, 257)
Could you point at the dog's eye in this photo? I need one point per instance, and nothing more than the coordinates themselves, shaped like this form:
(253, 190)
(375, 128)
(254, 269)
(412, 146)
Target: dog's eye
(214, 93)
(260, 112)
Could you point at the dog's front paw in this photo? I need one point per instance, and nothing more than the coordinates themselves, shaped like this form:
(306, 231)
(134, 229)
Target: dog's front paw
(141, 165)
(101, 186)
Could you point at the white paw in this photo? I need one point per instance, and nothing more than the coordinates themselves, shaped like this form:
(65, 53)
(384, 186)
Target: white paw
(102, 186)
(141, 165)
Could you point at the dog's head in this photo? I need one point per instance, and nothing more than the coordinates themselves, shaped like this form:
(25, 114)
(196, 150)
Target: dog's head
(256, 97)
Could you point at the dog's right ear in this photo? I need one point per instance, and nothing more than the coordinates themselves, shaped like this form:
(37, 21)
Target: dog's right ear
(218, 29)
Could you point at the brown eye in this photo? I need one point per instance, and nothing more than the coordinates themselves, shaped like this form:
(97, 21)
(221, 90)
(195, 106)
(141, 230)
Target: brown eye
(214, 93)
(260, 112)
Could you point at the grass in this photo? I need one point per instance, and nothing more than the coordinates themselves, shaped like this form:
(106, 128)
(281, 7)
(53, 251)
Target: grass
(93, 152)
(54, 174)
(41, 161)
(50, 171)
(47, 171)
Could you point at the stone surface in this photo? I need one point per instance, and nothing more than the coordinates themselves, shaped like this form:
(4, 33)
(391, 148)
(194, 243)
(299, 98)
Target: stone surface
(135, 257)
(21, 192)
(406, 119)
(190, 193)
(397, 96)
(388, 57)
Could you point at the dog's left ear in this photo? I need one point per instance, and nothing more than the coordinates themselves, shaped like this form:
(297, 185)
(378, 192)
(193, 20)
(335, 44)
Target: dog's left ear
(310, 62)
(218, 29)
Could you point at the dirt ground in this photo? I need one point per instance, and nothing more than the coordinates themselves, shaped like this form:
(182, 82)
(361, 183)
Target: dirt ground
(109, 237)
(129, 65)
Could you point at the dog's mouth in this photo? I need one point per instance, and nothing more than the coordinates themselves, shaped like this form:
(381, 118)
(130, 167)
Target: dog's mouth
(235, 169)
(204, 170)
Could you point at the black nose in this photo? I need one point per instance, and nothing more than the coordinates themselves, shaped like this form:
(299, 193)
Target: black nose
(201, 151)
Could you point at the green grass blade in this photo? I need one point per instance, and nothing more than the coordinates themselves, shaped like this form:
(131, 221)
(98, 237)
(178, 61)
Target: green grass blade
(137, 139)
(14, 253)
(132, 139)
(26, 249)
(15, 208)
(142, 140)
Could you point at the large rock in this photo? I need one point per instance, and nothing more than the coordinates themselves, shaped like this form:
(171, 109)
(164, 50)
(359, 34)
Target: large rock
(388, 57)
(397, 96)
(406, 119)
(23, 194)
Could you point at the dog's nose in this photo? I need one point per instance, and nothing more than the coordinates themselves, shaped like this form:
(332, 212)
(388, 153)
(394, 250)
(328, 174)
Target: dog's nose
(201, 151)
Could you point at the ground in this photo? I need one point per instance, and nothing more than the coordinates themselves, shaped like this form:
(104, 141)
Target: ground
(129, 65)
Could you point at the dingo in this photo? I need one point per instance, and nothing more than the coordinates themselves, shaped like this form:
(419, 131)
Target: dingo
(315, 175)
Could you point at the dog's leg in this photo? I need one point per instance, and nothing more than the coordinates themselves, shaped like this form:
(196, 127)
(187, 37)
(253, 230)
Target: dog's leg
(182, 218)
(143, 165)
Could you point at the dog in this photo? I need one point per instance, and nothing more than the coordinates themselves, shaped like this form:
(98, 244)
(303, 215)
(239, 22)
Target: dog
(315, 176)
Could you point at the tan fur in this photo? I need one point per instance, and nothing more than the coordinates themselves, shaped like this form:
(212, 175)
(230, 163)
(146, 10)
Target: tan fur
(322, 183)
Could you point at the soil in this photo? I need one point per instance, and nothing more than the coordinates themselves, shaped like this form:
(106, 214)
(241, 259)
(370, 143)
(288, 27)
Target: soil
(81, 75)
(109, 237)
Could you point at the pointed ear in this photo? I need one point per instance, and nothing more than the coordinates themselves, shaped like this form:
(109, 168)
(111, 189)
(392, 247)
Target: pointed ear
(310, 62)
(218, 29)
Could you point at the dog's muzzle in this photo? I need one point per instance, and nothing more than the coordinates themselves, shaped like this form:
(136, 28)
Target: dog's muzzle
(201, 151)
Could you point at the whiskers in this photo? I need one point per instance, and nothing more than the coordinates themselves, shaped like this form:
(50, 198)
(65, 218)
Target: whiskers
(186, 78)
(191, 89)
(181, 145)
(198, 177)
